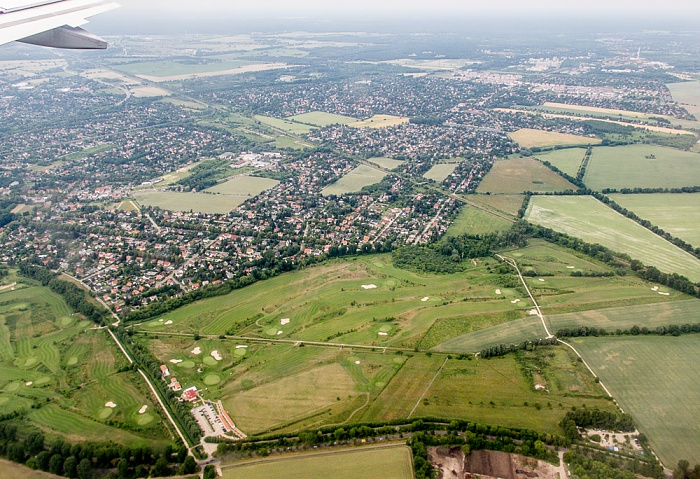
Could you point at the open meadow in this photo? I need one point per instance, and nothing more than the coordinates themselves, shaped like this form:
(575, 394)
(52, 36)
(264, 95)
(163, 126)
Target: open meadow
(529, 138)
(386, 163)
(289, 126)
(247, 186)
(678, 214)
(64, 377)
(386, 462)
(642, 166)
(656, 380)
(508, 204)
(567, 160)
(587, 218)
(380, 121)
(687, 94)
(354, 181)
(476, 222)
(321, 119)
(517, 175)
(440, 171)
(12, 470)
(200, 202)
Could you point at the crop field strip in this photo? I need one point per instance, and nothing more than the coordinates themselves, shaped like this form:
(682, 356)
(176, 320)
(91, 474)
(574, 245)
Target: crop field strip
(587, 218)
(355, 180)
(677, 214)
(200, 202)
(440, 171)
(567, 160)
(529, 138)
(655, 379)
(642, 166)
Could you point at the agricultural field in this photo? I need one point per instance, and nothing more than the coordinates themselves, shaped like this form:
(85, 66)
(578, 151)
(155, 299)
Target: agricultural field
(246, 186)
(642, 166)
(12, 470)
(201, 202)
(387, 463)
(517, 175)
(587, 218)
(174, 70)
(440, 171)
(655, 379)
(476, 222)
(678, 214)
(286, 125)
(128, 205)
(595, 112)
(354, 181)
(529, 138)
(380, 121)
(567, 160)
(508, 204)
(643, 315)
(688, 94)
(386, 163)
(321, 119)
(65, 376)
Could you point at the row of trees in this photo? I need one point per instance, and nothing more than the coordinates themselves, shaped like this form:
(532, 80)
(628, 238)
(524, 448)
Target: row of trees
(503, 349)
(673, 330)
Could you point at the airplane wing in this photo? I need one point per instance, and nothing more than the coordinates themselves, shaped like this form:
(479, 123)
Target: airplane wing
(52, 23)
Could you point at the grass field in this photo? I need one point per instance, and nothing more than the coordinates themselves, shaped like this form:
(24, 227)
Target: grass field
(386, 163)
(587, 218)
(354, 181)
(646, 315)
(517, 175)
(475, 221)
(643, 166)
(380, 121)
(567, 160)
(200, 202)
(529, 138)
(440, 171)
(595, 112)
(63, 374)
(321, 119)
(285, 125)
(128, 205)
(509, 204)
(246, 186)
(12, 470)
(655, 379)
(678, 214)
(688, 94)
(386, 463)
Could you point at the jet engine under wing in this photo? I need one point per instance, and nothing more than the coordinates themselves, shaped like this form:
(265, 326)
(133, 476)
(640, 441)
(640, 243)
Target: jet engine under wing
(51, 23)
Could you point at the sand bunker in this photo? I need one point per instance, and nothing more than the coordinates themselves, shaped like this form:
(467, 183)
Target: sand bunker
(498, 291)
(160, 320)
(655, 288)
(357, 362)
(369, 286)
(541, 280)
(176, 361)
(241, 347)
(143, 409)
(168, 322)
(571, 267)
(382, 333)
(29, 383)
(197, 350)
(515, 301)
(215, 354)
(285, 321)
(425, 299)
(532, 312)
(110, 405)
(280, 332)
(664, 294)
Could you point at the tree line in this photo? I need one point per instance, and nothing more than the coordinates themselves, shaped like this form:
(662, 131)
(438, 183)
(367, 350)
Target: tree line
(673, 330)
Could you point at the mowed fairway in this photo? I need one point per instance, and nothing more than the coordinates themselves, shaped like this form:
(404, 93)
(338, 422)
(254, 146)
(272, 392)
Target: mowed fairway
(529, 138)
(678, 214)
(385, 463)
(642, 166)
(198, 202)
(440, 171)
(586, 218)
(320, 118)
(380, 121)
(567, 160)
(657, 381)
(355, 180)
(517, 175)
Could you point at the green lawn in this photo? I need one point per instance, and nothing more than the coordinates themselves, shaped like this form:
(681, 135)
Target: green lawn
(688, 94)
(286, 125)
(440, 171)
(643, 166)
(355, 180)
(386, 463)
(166, 68)
(678, 214)
(199, 202)
(386, 163)
(509, 204)
(567, 160)
(517, 175)
(529, 138)
(476, 222)
(247, 186)
(655, 379)
(587, 218)
(321, 119)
